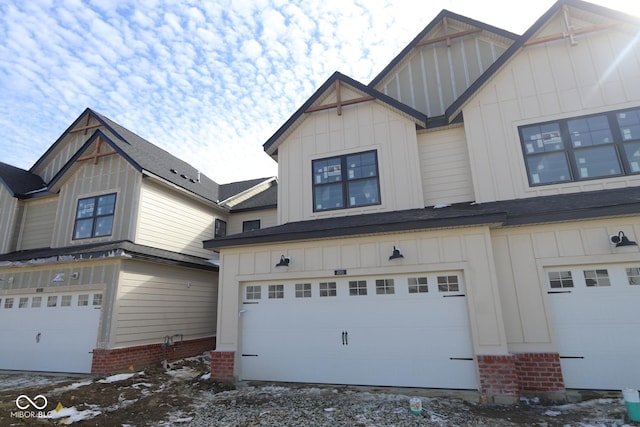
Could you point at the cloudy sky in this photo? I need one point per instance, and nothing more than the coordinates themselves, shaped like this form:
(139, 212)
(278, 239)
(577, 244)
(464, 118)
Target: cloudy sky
(209, 80)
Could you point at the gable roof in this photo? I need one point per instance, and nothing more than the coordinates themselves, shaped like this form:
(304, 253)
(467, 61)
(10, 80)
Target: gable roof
(267, 199)
(19, 182)
(444, 14)
(141, 154)
(271, 146)
(233, 188)
(456, 106)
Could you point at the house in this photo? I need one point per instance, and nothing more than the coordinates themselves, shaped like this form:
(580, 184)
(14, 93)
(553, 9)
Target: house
(101, 257)
(466, 220)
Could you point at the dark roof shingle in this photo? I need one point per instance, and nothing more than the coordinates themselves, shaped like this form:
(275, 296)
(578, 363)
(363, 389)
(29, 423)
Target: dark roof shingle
(19, 181)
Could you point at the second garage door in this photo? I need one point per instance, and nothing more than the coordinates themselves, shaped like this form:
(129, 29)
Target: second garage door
(394, 331)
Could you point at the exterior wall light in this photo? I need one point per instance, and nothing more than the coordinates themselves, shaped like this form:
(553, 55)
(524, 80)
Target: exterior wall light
(396, 254)
(284, 261)
(621, 240)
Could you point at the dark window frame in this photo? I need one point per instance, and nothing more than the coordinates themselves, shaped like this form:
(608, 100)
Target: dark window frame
(345, 181)
(250, 225)
(620, 139)
(219, 228)
(94, 217)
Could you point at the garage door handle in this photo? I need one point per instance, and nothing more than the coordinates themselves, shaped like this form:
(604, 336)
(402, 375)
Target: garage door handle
(345, 338)
(38, 337)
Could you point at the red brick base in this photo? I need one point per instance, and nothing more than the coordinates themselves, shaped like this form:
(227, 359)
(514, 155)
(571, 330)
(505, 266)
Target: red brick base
(107, 361)
(498, 377)
(540, 372)
(222, 364)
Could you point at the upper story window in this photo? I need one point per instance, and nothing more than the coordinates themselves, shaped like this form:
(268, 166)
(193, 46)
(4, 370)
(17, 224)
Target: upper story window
(250, 225)
(220, 228)
(94, 216)
(347, 181)
(576, 149)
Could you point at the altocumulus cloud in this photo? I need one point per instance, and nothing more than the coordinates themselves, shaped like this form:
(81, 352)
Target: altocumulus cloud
(208, 81)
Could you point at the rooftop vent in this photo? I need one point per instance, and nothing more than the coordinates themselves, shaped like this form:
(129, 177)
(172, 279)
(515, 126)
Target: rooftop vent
(173, 171)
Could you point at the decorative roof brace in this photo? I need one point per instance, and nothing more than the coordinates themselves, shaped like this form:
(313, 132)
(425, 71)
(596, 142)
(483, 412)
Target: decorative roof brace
(339, 102)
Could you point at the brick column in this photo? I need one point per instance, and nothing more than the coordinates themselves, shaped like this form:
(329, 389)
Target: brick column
(498, 378)
(222, 364)
(540, 372)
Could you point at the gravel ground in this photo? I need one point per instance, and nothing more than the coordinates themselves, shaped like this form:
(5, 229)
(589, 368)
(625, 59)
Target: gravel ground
(300, 406)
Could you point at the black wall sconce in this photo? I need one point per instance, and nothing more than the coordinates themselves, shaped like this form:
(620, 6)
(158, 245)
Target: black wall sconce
(284, 261)
(621, 240)
(396, 254)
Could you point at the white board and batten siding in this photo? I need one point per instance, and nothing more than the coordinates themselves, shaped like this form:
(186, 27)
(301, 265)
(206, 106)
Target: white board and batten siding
(156, 301)
(435, 75)
(112, 174)
(361, 127)
(546, 82)
(172, 221)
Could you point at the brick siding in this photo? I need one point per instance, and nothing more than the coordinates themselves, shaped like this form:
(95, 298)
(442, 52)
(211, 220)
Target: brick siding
(540, 372)
(106, 362)
(222, 365)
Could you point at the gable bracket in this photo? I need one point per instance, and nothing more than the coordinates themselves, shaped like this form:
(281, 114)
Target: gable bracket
(339, 102)
(96, 155)
(85, 128)
(571, 32)
(447, 37)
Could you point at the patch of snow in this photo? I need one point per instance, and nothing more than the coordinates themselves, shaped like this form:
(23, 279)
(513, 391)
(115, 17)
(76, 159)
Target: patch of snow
(441, 206)
(73, 386)
(551, 413)
(14, 380)
(116, 378)
(206, 376)
(71, 415)
(184, 373)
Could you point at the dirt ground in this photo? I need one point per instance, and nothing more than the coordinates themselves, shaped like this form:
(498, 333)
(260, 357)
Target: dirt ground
(174, 396)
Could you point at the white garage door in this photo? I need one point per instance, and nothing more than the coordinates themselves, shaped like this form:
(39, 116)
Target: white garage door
(596, 312)
(49, 333)
(396, 331)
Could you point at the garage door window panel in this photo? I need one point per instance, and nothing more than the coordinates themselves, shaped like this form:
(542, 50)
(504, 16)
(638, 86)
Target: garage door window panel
(65, 301)
(303, 290)
(276, 291)
(328, 289)
(97, 299)
(36, 302)
(24, 302)
(8, 303)
(357, 287)
(448, 284)
(83, 300)
(52, 301)
(385, 287)
(633, 275)
(596, 278)
(418, 285)
(560, 279)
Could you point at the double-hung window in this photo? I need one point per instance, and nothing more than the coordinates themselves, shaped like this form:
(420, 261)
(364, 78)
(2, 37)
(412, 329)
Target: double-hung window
(582, 148)
(347, 181)
(94, 216)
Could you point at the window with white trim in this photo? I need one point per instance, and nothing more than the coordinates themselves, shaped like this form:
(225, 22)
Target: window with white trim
(328, 289)
(94, 217)
(581, 148)
(346, 181)
(83, 300)
(357, 287)
(8, 303)
(52, 301)
(385, 287)
(24, 302)
(418, 285)
(36, 302)
(596, 278)
(560, 279)
(303, 290)
(65, 301)
(276, 291)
